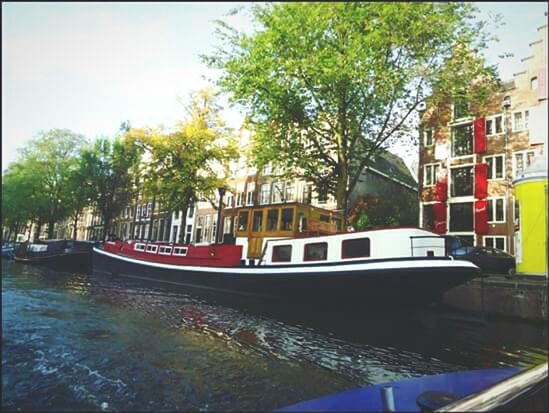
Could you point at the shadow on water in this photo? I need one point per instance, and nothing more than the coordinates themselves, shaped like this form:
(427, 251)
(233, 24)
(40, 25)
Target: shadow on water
(101, 339)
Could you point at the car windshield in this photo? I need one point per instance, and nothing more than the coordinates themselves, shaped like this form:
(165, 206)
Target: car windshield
(463, 251)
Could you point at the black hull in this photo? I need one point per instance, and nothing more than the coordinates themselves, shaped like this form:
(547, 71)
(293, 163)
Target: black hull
(75, 261)
(389, 288)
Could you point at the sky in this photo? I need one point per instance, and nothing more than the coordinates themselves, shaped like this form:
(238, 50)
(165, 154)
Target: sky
(90, 66)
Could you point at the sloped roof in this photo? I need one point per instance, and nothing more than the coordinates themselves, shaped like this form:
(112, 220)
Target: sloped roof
(394, 167)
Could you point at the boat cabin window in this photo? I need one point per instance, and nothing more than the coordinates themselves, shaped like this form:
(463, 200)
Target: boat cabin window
(324, 218)
(287, 219)
(165, 250)
(243, 221)
(282, 253)
(272, 220)
(355, 248)
(182, 251)
(316, 252)
(152, 249)
(139, 247)
(258, 220)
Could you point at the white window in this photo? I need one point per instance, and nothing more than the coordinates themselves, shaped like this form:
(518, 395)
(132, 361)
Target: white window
(534, 83)
(267, 169)
(278, 188)
(520, 120)
(494, 125)
(182, 251)
(240, 194)
(265, 194)
(430, 175)
(163, 250)
(250, 193)
(152, 249)
(521, 161)
(139, 247)
(289, 191)
(230, 200)
(496, 165)
(496, 209)
(428, 135)
(495, 242)
(138, 210)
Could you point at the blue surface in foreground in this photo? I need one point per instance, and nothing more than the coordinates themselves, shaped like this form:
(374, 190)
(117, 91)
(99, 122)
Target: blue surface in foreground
(405, 392)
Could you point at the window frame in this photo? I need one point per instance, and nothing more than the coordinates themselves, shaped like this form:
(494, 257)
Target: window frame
(306, 248)
(432, 174)
(432, 138)
(152, 249)
(494, 237)
(493, 119)
(167, 250)
(344, 242)
(453, 127)
(180, 251)
(139, 247)
(524, 128)
(524, 153)
(451, 182)
(502, 155)
(493, 203)
(276, 258)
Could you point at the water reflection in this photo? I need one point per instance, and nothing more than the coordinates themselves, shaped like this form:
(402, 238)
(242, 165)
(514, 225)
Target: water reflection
(107, 343)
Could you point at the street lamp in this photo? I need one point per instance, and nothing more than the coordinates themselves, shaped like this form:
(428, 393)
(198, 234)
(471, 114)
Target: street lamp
(221, 191)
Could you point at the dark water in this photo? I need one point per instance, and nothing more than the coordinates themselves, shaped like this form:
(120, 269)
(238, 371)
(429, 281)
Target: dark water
(82, 342)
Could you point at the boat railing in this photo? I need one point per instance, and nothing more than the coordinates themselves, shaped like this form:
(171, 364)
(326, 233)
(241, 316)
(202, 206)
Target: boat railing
(501, 394)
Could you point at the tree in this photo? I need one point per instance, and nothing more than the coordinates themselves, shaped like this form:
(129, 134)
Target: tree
(327, 85)
(109, 167)
(51, 158)
(187, 164)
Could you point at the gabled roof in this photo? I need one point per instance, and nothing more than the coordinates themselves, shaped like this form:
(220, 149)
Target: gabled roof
(393, 167)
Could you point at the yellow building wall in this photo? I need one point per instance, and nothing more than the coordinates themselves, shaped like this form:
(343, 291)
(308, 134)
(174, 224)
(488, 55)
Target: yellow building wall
(532, 257)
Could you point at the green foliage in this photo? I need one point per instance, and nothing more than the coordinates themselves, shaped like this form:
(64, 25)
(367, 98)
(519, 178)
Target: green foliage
(184, 165)
(390, 210)
(326, 85)
(108, 171)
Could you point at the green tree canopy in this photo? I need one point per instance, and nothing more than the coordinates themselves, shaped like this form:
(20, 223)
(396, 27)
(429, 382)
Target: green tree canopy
(109, 167)
(325, 85)
(188, 163)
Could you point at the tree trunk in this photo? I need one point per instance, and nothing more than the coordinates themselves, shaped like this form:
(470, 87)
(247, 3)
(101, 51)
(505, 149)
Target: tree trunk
(74, 231)
(38, 228)
(149, 235)
(51, 226)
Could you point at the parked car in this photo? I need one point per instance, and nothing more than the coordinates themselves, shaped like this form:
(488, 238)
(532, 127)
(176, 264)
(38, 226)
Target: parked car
(489, 260)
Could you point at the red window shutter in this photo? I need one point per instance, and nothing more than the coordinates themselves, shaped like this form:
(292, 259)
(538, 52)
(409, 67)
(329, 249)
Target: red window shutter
(481, 180)
(439, 210)
(481, 217)
(479, 132)
(441, 187)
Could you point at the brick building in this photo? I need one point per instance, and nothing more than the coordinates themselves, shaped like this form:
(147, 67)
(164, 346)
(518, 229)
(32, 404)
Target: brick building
(469, 157)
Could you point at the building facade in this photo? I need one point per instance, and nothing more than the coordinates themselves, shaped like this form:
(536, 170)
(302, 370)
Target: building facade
(469, 157)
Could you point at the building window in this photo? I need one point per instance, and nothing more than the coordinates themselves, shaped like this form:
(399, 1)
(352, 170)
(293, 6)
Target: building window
(520, 120)
(282, 253)
(149, 209)
(287, 219)
(534, 83)
(461, 181)
(462, 140)
(307, 194)
(461, 108)
(267, 169)
(322, 195)
(258, 221)
(243, 221)
(265, 194)
(289, 191)
(250, 193)
(430, 175)
(461, 216)
(521, 161)
(356, 248)
(316, 252)
(272, 220)
(428, 137)
(191, 210)
(278, 191)
(428, 217)
(496, 210)
(495, 242)
(495, 166)
(230, 200)
(494, 125)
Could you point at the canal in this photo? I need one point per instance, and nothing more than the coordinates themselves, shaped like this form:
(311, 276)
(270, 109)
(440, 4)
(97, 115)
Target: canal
(85, 342)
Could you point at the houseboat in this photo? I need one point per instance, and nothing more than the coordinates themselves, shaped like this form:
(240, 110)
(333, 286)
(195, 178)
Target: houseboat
(61, 254)
(292, 255)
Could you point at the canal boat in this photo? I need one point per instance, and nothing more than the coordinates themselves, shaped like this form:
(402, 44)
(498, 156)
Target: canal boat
(500, 389)
(388, 267)
(61, 254)
(8, 251)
